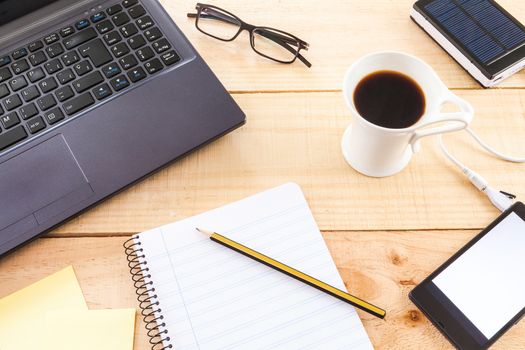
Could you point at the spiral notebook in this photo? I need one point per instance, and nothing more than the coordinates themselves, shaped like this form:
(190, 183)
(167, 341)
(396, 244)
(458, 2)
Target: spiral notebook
(204, 296)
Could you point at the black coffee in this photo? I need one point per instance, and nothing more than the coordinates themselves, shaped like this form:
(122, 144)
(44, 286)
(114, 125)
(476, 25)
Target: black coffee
(389, 99)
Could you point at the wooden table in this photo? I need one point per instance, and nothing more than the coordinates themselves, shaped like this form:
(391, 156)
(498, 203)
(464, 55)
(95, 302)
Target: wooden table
(385, 235)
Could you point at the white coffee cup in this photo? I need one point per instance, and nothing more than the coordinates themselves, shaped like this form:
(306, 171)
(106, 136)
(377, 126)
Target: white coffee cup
(378, 151)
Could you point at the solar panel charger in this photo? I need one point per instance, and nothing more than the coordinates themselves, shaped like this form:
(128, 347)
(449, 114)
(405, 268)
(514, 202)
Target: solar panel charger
(486, 40)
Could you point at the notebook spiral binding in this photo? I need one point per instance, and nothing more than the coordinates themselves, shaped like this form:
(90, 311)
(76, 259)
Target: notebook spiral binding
(149, 304)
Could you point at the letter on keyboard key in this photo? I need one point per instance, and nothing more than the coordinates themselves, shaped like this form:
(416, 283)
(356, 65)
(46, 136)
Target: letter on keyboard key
(96, 51)
(10, 120)
(80, 38)
(12, 136)
(78, 103)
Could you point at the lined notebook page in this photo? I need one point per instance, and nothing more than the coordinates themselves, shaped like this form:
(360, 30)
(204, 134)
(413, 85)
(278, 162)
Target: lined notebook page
(214, 298)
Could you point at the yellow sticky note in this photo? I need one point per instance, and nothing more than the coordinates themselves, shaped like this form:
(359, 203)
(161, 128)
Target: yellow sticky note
(22, 314)
(89, 330)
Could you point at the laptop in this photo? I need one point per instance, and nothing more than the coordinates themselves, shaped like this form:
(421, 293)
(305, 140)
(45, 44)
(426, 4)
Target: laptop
(94, 96)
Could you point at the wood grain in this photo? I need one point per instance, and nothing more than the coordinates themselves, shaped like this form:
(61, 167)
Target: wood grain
(381, 267)
(339, 32)
(296, 137)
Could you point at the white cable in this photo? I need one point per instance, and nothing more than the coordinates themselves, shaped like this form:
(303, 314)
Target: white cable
(492, 150)
(499, 199)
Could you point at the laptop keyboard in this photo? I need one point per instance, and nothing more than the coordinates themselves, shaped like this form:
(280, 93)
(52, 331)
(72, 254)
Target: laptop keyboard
(50, 80)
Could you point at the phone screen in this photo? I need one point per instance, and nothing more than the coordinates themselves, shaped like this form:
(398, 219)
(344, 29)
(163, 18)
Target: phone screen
(487, 282)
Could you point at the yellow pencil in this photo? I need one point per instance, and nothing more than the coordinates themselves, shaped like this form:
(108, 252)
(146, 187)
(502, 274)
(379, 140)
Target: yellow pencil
(344, 296)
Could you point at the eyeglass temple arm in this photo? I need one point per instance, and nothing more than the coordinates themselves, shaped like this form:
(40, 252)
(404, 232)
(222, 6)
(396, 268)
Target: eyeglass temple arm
(276, 38)
(279, 39)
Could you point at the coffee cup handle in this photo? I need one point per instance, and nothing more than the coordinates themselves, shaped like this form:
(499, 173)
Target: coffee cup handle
(454, 121)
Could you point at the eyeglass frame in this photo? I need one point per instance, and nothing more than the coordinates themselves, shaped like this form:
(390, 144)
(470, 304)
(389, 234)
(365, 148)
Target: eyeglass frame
(301, 44)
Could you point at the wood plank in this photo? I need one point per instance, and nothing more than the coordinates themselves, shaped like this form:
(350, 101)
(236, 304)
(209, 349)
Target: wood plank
(296, 137)
(381, 267)
(339, 32)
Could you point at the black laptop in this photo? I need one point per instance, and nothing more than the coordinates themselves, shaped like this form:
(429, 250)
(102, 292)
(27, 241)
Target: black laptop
(94, 95)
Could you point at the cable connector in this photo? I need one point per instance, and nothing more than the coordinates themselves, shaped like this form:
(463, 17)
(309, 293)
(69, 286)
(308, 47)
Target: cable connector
(500, 199)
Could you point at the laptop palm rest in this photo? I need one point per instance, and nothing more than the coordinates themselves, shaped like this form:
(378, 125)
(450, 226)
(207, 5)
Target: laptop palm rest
(39, 184)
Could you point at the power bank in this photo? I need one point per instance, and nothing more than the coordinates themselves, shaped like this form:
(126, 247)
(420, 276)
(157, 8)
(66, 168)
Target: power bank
(486, 40)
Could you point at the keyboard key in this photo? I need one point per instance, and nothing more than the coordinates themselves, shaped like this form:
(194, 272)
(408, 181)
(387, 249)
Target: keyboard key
(136, 41)
(70, 57)
(54, 115)
(112, 38)
(48, 84)
(129, 30)
(120, 19)
(97, 17)
(119, 83)
(65, 76)
(12, 136)
(161, 45)
(114, 9)
(153, 34)
(96, 51)
(120, 50)
(78, 103)
(51, 38)
(136, 74)
(104, 27)
(20, 66)
(36, 74)
(35, 45)
(46, 102)
(53, 66)
(102, 91)
(170, 58)
(145, 53)
(18, 83)
(19, 53)
(28, 111)
(137, 11)
(54, 50)
(64, 93)
(80, 38)
(128, 3)
(153, 66)
(83, 23)
(128, 62)
(35, 125)
(88, 81)
(82, 68)
(144, 22)
(37, 58)
(30, 93)
(67, 31)
(4, 90)
(111, 70)
(12, 102)
(5, 74)
(4, 60)
(10, 120)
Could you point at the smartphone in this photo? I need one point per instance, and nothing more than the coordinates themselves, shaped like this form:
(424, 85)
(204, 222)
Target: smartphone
(485, 39)
(479, 293)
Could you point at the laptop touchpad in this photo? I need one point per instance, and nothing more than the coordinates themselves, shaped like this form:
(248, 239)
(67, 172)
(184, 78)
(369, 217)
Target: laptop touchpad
(41, 182)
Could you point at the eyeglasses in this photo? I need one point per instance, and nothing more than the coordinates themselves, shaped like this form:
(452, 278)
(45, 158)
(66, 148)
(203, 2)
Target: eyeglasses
(271, 43)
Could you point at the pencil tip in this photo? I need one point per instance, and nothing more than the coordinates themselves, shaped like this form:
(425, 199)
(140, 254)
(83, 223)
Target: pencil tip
(206, 232)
